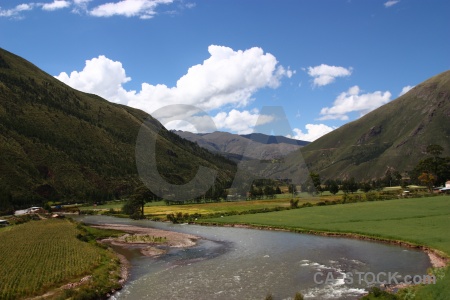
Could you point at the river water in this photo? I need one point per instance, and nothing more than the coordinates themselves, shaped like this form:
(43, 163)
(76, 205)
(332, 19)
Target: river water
(238, 263)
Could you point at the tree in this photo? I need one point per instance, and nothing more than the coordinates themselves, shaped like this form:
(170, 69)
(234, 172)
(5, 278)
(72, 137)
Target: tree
(436, 165)
(366, 187)
(292, 188)
(333, 187)
(135, 204)
(315, 178)
(428, 180)
(278, 190)
(349, 186)
(269, 191)
(435, 150)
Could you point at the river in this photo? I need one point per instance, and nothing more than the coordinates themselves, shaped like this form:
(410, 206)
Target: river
(239, 263)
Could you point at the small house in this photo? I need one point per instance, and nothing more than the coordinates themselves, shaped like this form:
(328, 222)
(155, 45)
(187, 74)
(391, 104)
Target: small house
(446, 190)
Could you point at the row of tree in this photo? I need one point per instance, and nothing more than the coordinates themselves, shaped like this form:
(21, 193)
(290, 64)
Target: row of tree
(432, 171)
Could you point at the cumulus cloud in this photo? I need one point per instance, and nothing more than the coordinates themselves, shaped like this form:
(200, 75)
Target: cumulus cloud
(241, 122)
(353, 101)
(15, 12)
(144, 9)
(101, 76)
(57, 4)
(325, 74)
(405, 89)
(390, 3)
(313, 132)
(227, 78)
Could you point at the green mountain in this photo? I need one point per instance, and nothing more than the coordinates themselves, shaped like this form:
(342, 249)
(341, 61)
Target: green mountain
(392, 137)
(59, 143)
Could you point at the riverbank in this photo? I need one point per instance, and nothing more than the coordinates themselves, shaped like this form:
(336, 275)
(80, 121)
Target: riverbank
(438, 259)
(420, 223)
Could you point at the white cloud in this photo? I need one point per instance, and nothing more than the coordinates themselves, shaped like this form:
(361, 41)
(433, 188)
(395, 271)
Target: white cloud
(354, 101)
(100, 76)
(57, 4)
(391, 3)
(15, 12)
(241, 122)
(405, 89)
(313, 132)
(144, 9)
(325, 74)
(227, 78)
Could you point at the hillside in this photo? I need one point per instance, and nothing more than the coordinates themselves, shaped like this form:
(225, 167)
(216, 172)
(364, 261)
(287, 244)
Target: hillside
(250, 146)
(59, 143)
(392, 137)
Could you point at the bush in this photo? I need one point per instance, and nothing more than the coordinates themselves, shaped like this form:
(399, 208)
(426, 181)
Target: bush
(372, 196)
(298, 296)
(293, 203)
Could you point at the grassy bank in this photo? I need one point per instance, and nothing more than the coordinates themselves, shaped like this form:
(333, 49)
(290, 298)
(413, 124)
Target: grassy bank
(42, 256)
(421, 221)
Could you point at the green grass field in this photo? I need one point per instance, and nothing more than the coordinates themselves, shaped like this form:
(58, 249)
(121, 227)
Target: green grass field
(422, 221)
(39, 256)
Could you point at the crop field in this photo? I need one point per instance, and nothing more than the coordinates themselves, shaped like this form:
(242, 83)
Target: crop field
(40, 255)
(160, 210)
(221, 207)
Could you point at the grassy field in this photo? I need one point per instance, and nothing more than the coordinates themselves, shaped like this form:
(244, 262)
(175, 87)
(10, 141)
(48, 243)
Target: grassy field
(50, 256)
(423, 221)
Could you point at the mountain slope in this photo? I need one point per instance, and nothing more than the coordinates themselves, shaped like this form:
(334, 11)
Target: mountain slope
(392, 137)
(59, 143)
(250, 146)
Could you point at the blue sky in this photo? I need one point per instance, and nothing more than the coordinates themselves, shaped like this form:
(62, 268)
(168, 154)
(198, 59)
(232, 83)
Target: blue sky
(324, 62)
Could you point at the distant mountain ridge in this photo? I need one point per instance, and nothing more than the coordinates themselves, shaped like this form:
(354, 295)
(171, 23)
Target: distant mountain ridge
(273, 139)
(249, 146)
(393, 137)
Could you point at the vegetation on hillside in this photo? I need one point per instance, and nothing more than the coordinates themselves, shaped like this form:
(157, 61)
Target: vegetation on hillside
(392, 138)
(59, 144)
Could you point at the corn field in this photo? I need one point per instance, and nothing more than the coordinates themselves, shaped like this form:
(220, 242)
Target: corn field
(40, 255)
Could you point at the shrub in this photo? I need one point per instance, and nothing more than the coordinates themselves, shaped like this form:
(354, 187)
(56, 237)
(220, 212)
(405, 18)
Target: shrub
(298, 296)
